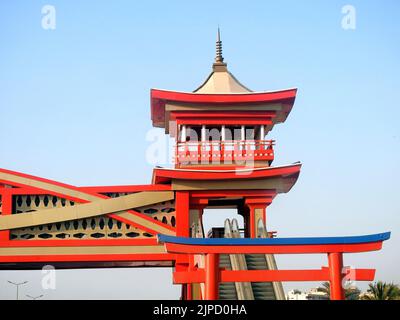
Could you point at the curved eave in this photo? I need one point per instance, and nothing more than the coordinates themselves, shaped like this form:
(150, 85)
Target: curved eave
(165, 175)
(160, 97)
(379, 237)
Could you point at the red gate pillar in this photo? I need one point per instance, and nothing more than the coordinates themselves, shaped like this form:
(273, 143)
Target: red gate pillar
(182, 230)
(212, 276)
(335, 275)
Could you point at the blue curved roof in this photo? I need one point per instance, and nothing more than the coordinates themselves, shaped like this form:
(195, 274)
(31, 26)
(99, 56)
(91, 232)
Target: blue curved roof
(274, 241)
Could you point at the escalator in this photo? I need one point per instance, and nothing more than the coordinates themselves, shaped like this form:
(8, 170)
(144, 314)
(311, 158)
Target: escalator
(244, 290)
(261, 290)
(227, 290)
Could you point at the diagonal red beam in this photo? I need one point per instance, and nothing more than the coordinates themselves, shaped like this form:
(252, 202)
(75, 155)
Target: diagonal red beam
(80, 200)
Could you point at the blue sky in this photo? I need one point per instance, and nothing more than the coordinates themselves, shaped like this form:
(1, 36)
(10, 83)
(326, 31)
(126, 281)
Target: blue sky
(74, 107)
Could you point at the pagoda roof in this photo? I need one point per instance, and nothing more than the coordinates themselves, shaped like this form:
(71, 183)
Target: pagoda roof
(220, 91)
(281, 178)
(220, 81)
(159, 99)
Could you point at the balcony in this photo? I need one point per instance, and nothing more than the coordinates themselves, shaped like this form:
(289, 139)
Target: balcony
(237, 152)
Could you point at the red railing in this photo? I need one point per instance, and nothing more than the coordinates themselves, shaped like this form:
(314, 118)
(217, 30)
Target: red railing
(198, 152)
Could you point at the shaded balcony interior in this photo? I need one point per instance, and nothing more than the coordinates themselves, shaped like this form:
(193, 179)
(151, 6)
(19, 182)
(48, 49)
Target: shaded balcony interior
(223, 145)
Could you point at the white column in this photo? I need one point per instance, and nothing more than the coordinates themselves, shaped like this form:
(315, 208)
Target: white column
(223, 133)
(203, 133)
(242, 133)
(262, 132)
(183, 133)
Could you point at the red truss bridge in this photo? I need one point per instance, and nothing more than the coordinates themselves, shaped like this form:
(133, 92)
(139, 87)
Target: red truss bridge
(223, 159)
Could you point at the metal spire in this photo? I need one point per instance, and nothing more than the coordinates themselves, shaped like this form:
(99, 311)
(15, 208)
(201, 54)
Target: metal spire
(219, 64)
(218, 57)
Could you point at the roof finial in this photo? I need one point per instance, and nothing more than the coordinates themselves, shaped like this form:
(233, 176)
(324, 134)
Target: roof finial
(218, 57)
(219, 64)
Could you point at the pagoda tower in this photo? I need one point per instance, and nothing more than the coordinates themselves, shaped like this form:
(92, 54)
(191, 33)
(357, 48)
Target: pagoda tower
(223, 156)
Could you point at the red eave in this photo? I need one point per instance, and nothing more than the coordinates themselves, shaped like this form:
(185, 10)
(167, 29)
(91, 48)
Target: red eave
(160, 97)
(161, 175)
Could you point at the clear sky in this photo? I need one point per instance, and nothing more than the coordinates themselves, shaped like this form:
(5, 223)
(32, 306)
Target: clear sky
(74, 107)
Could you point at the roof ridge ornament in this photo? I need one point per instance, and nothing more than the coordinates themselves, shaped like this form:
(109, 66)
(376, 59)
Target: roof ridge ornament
(219, 64)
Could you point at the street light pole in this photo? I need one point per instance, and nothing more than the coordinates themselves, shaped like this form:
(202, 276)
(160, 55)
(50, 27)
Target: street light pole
(17, 285)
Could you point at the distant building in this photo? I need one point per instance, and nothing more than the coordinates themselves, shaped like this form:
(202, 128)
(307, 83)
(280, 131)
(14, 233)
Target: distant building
(317, 294)
(296, 295)
(312, 294)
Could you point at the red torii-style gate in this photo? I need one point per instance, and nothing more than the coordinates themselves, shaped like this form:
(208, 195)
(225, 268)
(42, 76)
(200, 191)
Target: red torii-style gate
(211, 275)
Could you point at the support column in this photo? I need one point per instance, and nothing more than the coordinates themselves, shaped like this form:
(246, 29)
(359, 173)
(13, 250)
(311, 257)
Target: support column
(196, 215)
(257, 210)
(197, 206)
(262, 132)
(212, 276)
(182, 213)
(203, 133)
(182, 230)
(335, 275)
(183, 133)
(6, 209)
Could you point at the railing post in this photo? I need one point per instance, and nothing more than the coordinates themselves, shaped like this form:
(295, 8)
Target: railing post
(212, 276)
(335, 275)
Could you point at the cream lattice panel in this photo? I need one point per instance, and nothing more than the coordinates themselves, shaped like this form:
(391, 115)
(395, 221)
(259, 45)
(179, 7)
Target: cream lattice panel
(163, 212)
(31, 203)
(101, 227)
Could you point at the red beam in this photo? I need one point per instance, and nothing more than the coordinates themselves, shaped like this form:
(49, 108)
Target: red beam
(198, 276)
(133, 188)
(26, 190)
(99, 195)
(86, 258)
(274, 249)
(232, 193)
(79, 243)
(242, 121)
(219, 114)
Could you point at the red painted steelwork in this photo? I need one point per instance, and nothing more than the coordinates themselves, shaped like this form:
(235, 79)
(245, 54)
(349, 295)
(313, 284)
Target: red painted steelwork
(78, 200)
(160, 97)
(212, 276)
(165, 175)
(323, 274)
(182, 213)
(275, 249)
(87, 258)
(335, 275)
